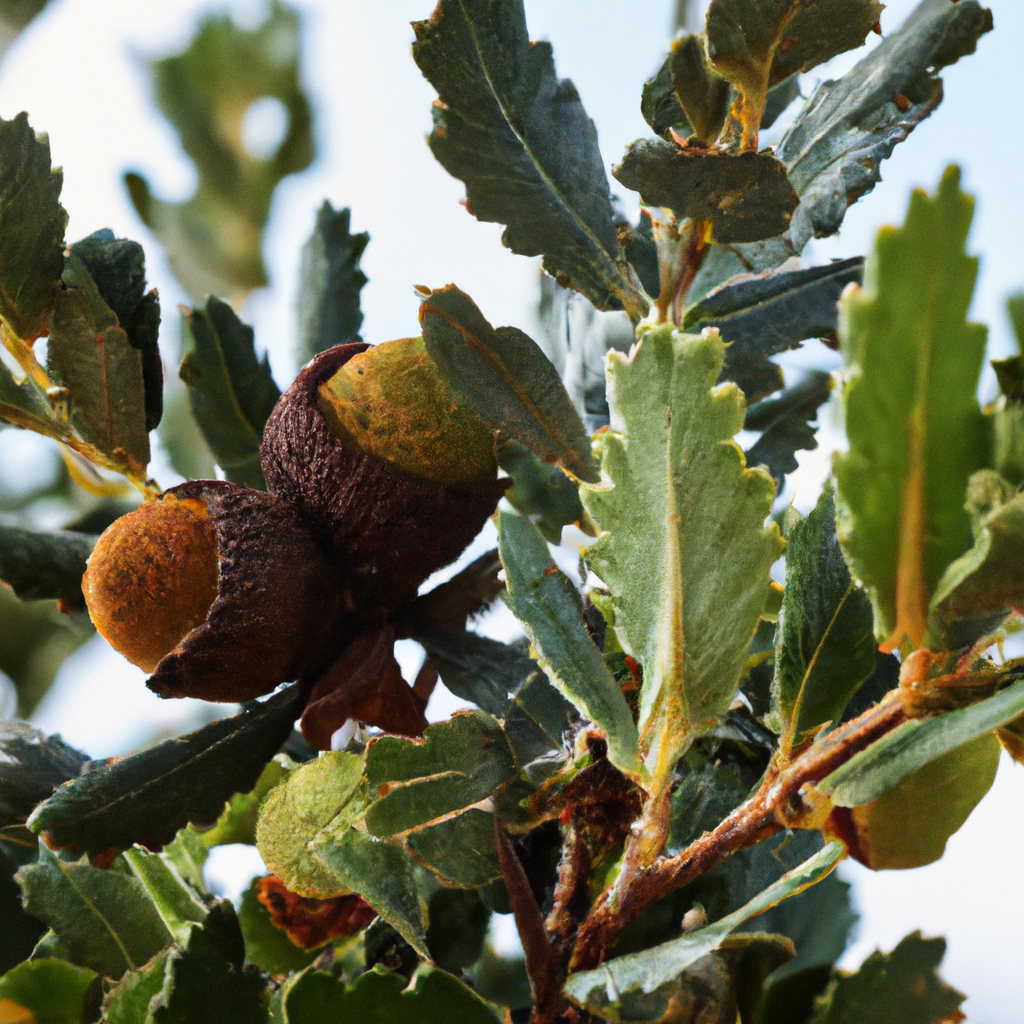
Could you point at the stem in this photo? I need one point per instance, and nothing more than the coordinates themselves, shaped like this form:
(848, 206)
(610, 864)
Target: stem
(778, 804)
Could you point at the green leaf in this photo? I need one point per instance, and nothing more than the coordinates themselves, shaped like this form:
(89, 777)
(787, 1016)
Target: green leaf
(475, 667)
(524, 146)
(237, 823)
(329, 312)
(702, 94)
(980, 587)
(1015, 309)
(38, 564)
(24, 404)
(542, 493)
(90, 354)
(266, 945)
(505, 376)
(746, 197)
(834, 150)
(298, 810)
(824, 646)
(785, 425)
(32, 766)
(640, 974)
(457, 764)
(660, 105)
(381, 873)
(685, 606)
(51, 990)
(177, 904)
(458, 927)
(882, 766)
(912, 418)
(214, 240)
(434, 997)
(128, 1002)
(147, 797)
(909, 825)
(460, 850)
(551, 611)
(32, 232)
(205, 981)
(231, 390)
(535, 725)
(902, 986)
(762, 315)
(104, 919)
(118, 268)
(187, 855)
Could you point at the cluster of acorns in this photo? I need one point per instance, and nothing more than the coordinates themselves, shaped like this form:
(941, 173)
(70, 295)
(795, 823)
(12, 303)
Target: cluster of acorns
(376, 479)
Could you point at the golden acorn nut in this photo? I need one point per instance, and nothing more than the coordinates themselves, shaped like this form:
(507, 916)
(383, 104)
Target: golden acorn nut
(152, 577)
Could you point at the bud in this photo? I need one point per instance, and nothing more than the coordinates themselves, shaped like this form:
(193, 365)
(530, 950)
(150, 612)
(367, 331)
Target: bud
(221, 592)
(354, 470)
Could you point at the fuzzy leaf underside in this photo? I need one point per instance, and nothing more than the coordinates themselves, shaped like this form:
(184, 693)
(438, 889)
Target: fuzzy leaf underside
(524, 146)
(683, 547)
(912, 418)
(551, 610)
(230, 389)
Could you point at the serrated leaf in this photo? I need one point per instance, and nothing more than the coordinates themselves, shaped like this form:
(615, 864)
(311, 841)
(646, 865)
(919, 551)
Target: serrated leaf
(32, 766)
(230, 389)
(459, 850)
(434, 997)
(542, 493)
(178, 905)
(457, 764)
(785, 425)
(213, 240)
(382, 873)
(52, 992)
(902, 986)
(908, 826)
(685, 606)
(187, 855)
(881, 767)
(32, 232)
(146, 797)
(912, 418)
(118, 269)
(835, 148)
(824, 646)
(551, 611)
(524, 146)
(980, 587)
(330, 283)
(300, 809)
(266, 945)
(762, 315)
(747, 196)
(129, 1000)
(643, 973)
(205, 981)
(90, 354)
(104, 919)
(756, 44)
(505, 376)
(50, 564)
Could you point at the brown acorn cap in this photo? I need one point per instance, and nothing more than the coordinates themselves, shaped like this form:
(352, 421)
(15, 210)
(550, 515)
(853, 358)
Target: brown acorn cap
(279, 607)
(392, 530)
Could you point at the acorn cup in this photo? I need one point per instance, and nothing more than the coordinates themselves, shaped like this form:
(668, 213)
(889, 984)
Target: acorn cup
(221, 592)
(396, 479)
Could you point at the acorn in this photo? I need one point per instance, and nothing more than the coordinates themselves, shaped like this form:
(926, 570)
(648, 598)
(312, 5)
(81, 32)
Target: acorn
(394, 476)
(219, 591)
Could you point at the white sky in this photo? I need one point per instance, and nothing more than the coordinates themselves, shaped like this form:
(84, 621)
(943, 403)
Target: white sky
(78, 72)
